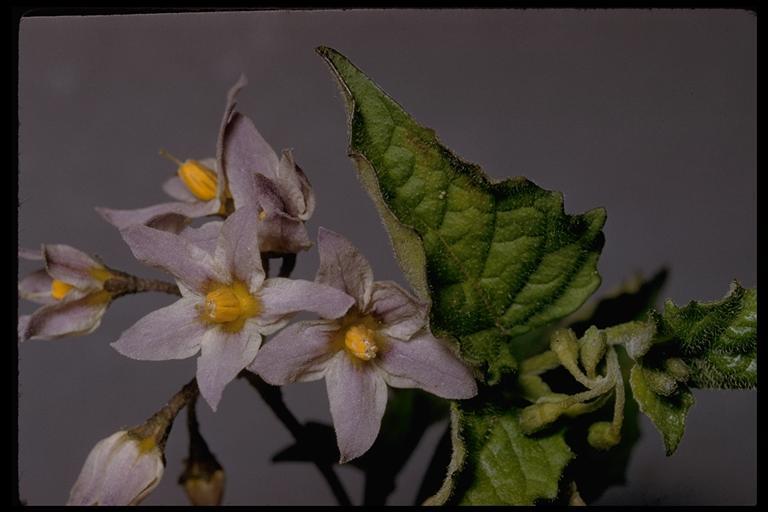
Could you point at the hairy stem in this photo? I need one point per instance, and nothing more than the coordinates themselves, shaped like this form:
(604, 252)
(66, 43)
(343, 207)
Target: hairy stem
(159, 424)
(124, 284)
(273, 397)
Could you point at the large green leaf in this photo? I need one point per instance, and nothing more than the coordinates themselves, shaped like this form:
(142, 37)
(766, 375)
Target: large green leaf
(495, 463)
(717, 340)
(497, 260)
(699, 345)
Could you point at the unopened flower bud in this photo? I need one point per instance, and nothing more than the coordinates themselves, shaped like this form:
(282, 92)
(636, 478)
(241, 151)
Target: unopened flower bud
(203, 481)
(602, 435)
(120, 470)
(566, 346)
(537, 416)
(592, 350)
(659, 382)
(677, 369)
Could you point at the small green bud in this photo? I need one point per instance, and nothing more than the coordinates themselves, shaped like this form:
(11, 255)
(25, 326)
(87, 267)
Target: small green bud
(593, 347)
(677, 369)
(659, 382)
(602, 435)
(565, 345)
(537, 416)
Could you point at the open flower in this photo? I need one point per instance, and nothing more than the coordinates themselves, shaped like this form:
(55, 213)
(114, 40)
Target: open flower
(120, 470)
(382, 340)
(226, 305)
(200, 188)
(246, 173)
(71, 289)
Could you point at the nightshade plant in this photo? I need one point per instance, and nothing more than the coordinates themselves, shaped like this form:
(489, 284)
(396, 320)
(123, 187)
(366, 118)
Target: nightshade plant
(538, 394)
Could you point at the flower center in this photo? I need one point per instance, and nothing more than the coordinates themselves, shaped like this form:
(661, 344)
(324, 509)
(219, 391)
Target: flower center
(199, 179)
(361, 342)
(59, 289)
(230, 304)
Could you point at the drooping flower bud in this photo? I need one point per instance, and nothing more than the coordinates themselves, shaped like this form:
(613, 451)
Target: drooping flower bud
(120, 470)
(603, 436)
(203, 482)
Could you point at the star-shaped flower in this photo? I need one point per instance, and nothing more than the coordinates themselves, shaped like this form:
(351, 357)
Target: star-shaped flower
(246, 173)
(227, 305)
(383, 340)
(71, 289)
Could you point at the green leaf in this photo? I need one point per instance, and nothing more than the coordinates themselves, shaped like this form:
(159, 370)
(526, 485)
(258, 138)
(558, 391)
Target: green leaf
(717, 340)
(494, 463)
(498, 259)
(666, 412)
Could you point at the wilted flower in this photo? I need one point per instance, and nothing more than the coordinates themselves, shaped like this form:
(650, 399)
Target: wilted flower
(278, 189)
(383, 339)
(246, 173)
(200, 188)
(203, 482)
(226, 305)
(120, 470)
(71, 289)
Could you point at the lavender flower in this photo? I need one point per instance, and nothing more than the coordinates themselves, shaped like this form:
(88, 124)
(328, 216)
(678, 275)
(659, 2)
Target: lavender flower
(382, 340)
(71, 289)
(120, 470)
(246, 173)
(227, 305)
(200, 188)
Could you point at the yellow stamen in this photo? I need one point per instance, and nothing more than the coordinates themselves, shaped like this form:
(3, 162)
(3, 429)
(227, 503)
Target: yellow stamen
(199, 179)
(59, 289)
(230, 304)
(361, 342)
(262, 215)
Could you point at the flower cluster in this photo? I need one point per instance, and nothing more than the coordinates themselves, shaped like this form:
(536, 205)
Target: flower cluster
(370, 335)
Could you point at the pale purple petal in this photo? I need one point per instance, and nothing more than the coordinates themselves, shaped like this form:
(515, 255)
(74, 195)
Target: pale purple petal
(22, 326)
(358, 398)
(343, 267)
(298, 353)
(172, 332)
(30, 254)
(36, 287)
(205, 237)
(427, 363)
(117, 472)
(65, 318)
(401, 314)
(280, 233)
(237, 248)
(158, 215)
(223, 356)
(290, 186)
(176, 188)
(280, 297)
(309, 194)
(221, 175)
(186, 261)
(246, 153)
(70, 265)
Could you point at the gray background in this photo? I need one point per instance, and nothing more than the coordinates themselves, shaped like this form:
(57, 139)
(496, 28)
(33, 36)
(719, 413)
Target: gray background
(651, 114)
